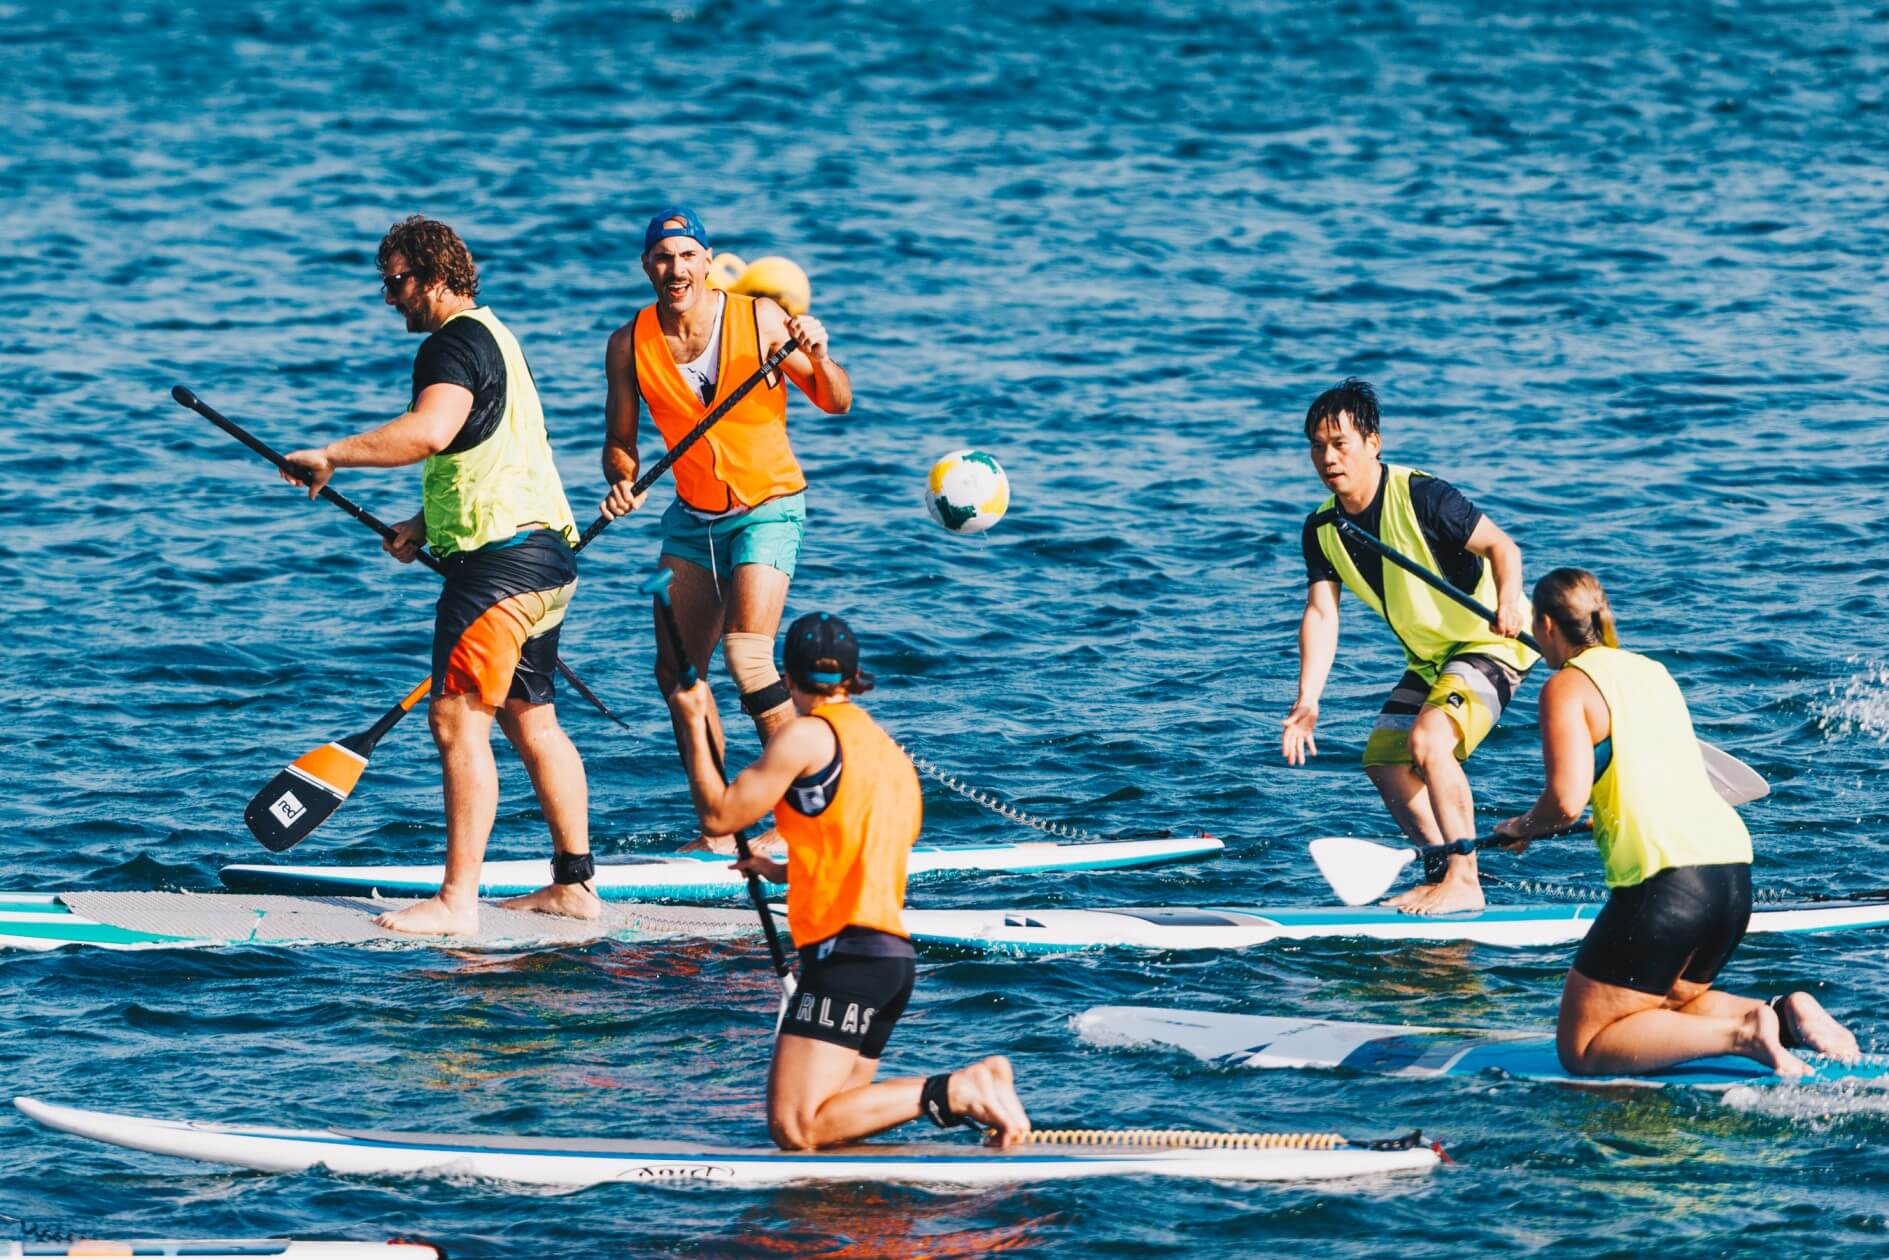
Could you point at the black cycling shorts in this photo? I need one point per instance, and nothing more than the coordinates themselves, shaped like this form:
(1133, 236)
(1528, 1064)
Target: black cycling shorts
(1682, 924)
(852, 991)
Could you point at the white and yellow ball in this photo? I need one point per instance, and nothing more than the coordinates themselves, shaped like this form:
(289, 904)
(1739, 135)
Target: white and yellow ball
(967, 492)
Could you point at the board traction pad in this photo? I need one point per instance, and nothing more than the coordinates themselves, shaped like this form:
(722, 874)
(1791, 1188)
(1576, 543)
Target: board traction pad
(282, 919)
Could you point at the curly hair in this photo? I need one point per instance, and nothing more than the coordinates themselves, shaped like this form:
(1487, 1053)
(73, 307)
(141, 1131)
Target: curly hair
(434, 252)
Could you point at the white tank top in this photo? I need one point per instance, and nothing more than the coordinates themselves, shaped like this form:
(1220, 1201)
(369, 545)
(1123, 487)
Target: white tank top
(704, 370)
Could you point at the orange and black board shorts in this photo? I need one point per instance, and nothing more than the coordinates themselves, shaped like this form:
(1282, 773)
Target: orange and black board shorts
(495, 634)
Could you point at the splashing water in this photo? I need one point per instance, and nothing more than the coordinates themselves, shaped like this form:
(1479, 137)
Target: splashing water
(1858, 706)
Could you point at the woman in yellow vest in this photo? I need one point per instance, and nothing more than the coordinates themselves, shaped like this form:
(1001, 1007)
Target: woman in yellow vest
(1616, 735)
(845, 797)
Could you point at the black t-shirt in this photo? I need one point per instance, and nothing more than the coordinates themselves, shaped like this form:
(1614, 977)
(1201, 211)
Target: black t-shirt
(1446, 518)
(465, 353)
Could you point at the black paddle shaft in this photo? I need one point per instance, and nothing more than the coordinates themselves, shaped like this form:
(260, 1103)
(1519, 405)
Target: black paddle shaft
(275, 457)
(1352, 530)
(1495, 841)
(688, 678)
(361, 514)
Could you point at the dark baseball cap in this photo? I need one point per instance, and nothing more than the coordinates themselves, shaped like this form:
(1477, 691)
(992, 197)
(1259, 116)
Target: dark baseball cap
(660, 229)
(821, 651)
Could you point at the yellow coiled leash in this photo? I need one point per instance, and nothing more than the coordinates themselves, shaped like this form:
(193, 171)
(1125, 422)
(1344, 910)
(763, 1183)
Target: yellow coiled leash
(1206, 1139)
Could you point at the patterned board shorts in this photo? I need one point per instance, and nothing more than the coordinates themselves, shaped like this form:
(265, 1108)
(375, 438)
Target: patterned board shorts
(1473, 690)
(495, 633)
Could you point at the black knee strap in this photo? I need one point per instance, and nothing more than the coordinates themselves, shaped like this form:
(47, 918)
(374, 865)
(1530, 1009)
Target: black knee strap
(772, 696)
(572, 868)
(935, 1101)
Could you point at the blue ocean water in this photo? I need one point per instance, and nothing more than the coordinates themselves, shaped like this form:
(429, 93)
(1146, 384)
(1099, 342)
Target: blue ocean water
(1616, 269)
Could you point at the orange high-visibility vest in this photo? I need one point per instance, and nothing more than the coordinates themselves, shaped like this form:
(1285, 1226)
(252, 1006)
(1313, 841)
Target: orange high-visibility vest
(744, 460)
(846, 864)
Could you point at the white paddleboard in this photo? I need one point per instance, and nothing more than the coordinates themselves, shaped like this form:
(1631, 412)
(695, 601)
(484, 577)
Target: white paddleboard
(1025, 931)
(577, 1162)
(226, 1249)
(706, 876)
(187, 920)
(1263, 1041)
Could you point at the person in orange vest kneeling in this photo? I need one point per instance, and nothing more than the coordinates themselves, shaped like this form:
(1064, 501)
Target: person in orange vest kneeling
(846, 799)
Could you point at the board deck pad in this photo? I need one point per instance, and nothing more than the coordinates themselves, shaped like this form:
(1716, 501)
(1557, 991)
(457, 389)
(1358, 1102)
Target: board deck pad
(224, 1249)
(1028, 931)
(578, 1162)
(706, 876)
(133, 920)
(1260, 1041)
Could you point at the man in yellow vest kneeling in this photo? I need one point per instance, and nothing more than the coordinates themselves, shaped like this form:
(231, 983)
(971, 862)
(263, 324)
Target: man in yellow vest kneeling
(1461, 672)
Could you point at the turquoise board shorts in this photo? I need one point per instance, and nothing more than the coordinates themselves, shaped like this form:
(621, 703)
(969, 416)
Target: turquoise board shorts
(769, 534)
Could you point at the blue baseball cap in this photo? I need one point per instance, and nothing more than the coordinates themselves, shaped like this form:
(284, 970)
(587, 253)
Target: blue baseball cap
(659, 229)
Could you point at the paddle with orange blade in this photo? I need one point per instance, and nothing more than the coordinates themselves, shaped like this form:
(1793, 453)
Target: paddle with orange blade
(299, 799)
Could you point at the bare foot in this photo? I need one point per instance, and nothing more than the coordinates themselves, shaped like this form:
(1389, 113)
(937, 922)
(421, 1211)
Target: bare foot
(986, 1092)
(432, 917)
(1452, 896)
(1758, 1039)
(1817, 1029)
(573, 901)
(710, 844)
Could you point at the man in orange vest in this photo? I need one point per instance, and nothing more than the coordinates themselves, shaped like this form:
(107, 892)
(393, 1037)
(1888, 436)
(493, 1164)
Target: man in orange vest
(733, 534)
(846, 797)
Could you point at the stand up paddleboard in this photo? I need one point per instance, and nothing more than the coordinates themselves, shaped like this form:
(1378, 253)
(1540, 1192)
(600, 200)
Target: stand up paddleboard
(573, 1162)
(222, 1248)
(1258, 1041)
(1033, 932)
(159, 920)
(706, 877)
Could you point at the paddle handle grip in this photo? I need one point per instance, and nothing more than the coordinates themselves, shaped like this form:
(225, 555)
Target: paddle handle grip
(707, 422)
(689, 677)
(262, 448)
(1351, 530)
(188, 399)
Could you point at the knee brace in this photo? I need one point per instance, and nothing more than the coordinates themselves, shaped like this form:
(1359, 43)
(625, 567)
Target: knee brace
(750, 661)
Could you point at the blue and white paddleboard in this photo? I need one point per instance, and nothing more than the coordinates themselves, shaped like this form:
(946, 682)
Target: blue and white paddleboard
(1030, 932)
(1259, 1041)
(225, 1249)
(185, 920)
(577, 1162)
(706, 876)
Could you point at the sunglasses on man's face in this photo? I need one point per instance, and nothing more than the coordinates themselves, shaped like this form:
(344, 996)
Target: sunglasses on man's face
(394, 281)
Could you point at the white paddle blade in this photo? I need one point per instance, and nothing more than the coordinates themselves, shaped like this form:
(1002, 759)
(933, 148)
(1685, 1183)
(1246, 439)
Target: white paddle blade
(1734, 781)
(788, 986)
(1358, 870)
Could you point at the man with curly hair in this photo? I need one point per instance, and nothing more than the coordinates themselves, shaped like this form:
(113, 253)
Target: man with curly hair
(493, 510)
(733, 534)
